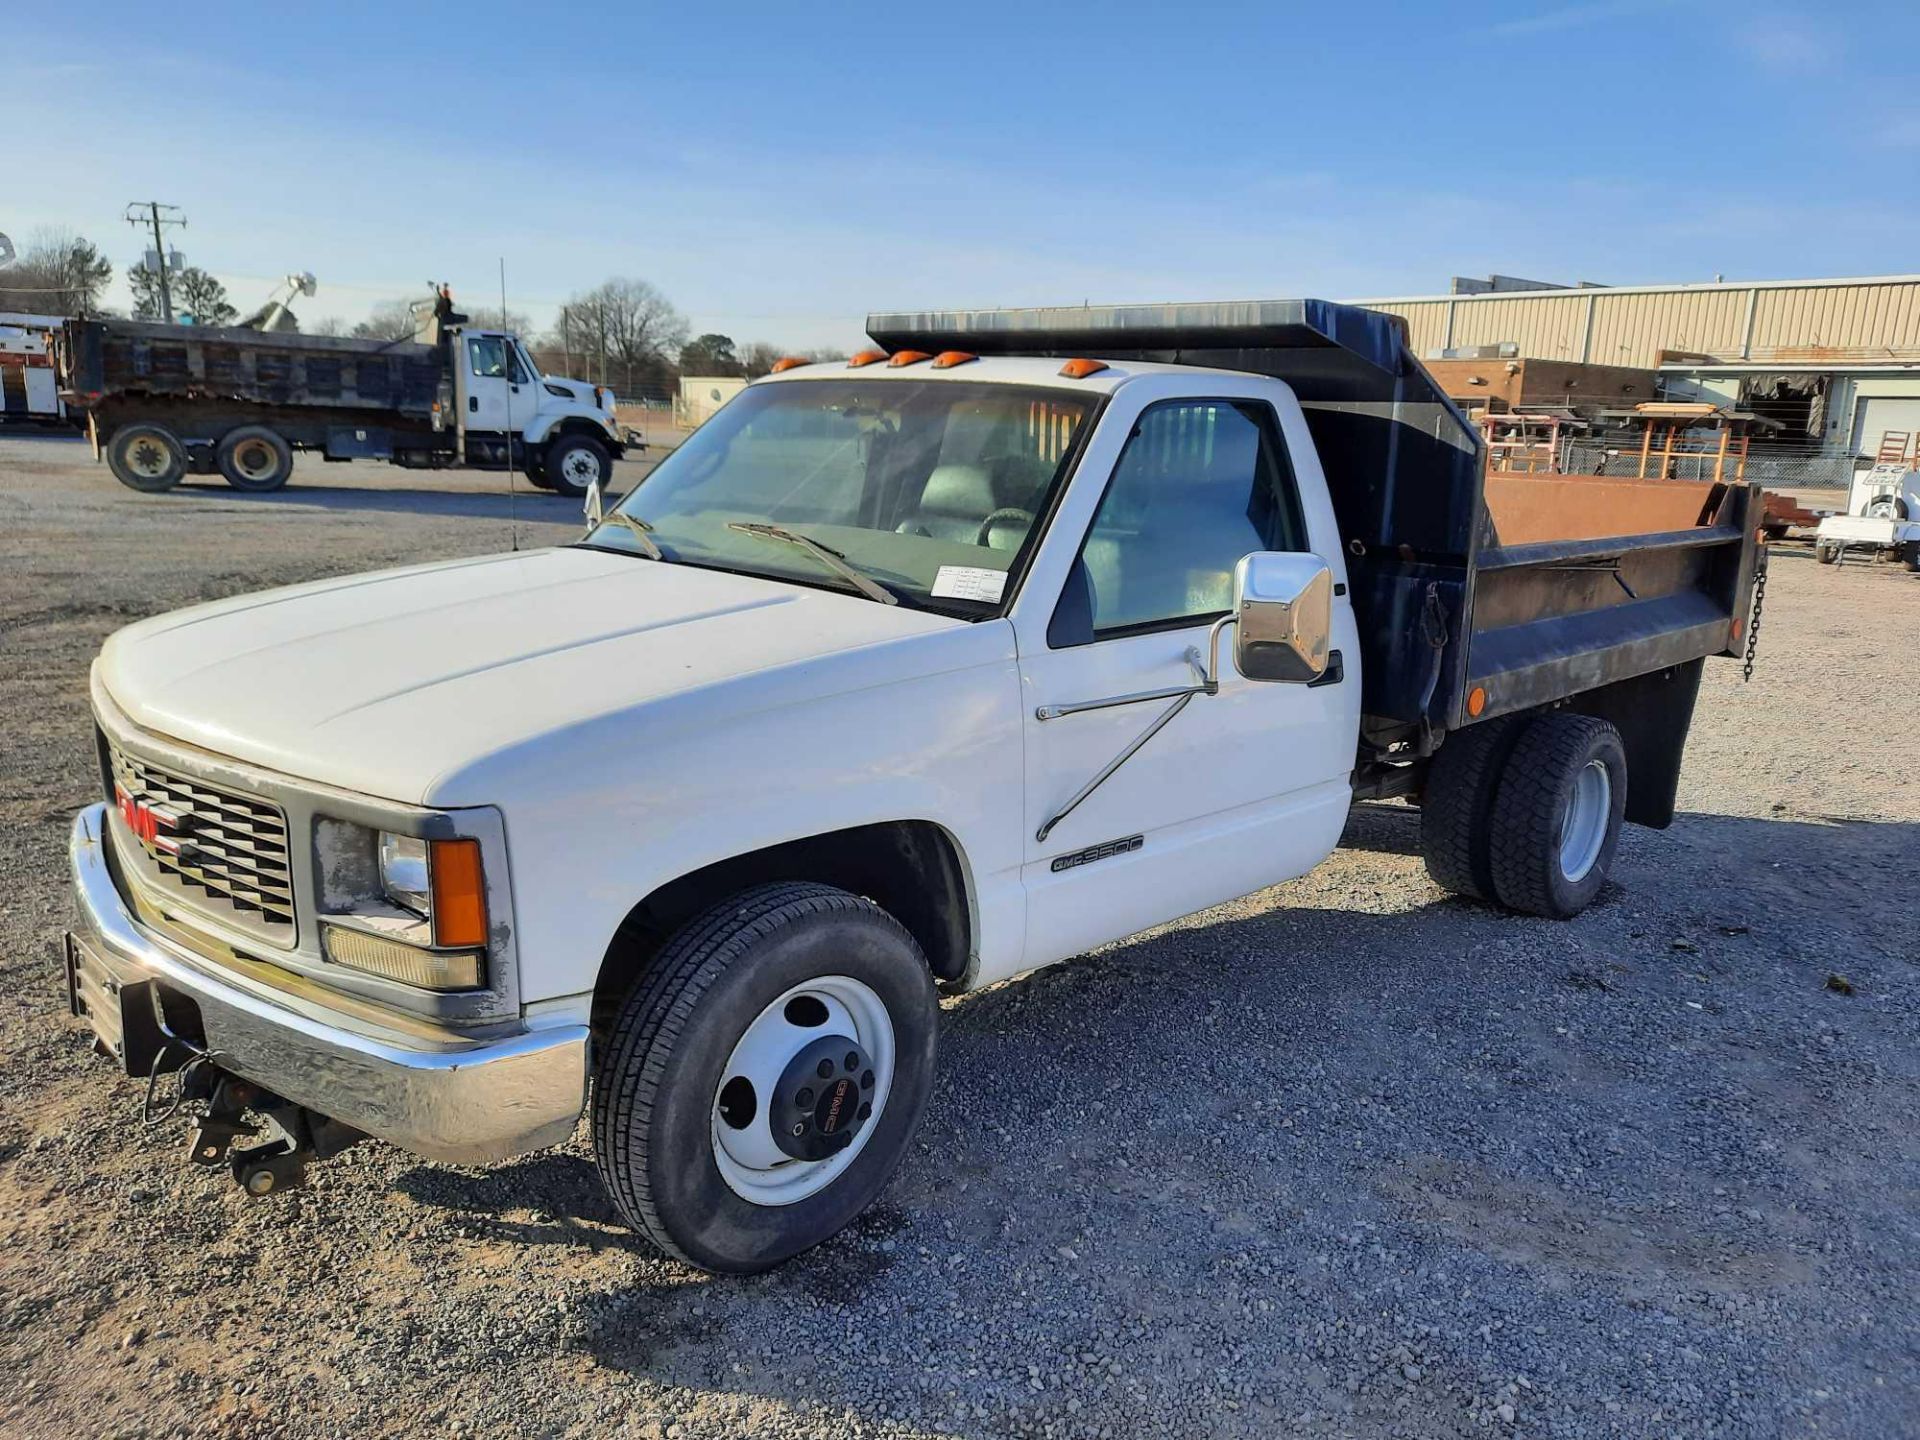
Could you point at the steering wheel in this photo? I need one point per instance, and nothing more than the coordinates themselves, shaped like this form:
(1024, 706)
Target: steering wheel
(984, 536)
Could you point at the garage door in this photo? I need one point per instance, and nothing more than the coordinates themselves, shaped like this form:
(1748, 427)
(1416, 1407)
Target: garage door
(1875, 415)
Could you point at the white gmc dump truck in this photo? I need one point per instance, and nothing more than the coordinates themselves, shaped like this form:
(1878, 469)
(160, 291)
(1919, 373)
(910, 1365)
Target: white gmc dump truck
(1019, 633)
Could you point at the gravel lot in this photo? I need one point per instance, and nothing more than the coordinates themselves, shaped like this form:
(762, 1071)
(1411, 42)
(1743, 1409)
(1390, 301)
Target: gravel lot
(1345, 1158)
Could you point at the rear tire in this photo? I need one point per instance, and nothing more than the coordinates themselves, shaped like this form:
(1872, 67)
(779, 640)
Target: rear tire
(668, 1078)
(1458, 804)
(573, 462)
(1557, 814)
(146, 457)
(1826, 553)
(254, 458)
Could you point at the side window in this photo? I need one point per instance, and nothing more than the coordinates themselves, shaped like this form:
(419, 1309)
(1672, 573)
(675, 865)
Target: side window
(489, 357)
(1200, 484)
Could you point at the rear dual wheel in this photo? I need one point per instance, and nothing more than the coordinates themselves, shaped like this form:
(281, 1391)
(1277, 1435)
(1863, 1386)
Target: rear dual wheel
(146, 457)
(254, 458)
(761, 1083)
(1526, 811)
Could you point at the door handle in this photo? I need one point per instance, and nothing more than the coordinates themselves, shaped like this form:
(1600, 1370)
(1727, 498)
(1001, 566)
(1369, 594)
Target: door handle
(473, 403)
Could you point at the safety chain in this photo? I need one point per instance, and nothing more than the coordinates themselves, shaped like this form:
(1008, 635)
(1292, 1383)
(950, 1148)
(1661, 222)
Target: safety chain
(1753, 624)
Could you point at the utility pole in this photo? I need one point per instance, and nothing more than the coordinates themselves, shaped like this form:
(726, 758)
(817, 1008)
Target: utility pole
(153, 214)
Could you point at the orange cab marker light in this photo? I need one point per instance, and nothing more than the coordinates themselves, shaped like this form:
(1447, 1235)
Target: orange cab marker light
(1080, 369)
(459, 896)
(947, 359)
(866, 357)
(1476, 700)
(908, 357)
(788, 362)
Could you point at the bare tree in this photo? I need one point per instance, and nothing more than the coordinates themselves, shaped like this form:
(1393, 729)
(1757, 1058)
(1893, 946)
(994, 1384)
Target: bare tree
(327, 325)
(389, 320)
(59, 273)
(624, 331)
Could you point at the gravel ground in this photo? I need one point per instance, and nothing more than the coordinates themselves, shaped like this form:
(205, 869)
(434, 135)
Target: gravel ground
(1344, 1158)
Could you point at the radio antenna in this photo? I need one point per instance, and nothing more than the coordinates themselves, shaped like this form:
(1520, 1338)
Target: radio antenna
(513, 438)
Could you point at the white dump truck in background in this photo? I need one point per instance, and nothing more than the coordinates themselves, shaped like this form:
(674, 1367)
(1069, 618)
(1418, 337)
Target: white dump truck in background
(1015, 635)
(163, 401)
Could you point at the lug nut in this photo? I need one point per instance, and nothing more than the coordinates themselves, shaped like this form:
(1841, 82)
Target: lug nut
(803, 1099)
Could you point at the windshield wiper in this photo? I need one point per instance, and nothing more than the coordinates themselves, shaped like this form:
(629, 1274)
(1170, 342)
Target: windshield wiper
(640, 529)
(832, 559)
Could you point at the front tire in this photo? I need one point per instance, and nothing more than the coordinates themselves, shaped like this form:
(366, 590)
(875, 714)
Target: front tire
(146, 457)
(795, 1006)
(573, 462)
(255, 459)
(1556, 817)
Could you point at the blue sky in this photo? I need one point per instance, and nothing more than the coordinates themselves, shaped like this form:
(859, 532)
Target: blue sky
(779, 170)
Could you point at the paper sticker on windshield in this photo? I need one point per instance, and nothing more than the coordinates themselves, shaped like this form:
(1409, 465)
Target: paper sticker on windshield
(969, 582)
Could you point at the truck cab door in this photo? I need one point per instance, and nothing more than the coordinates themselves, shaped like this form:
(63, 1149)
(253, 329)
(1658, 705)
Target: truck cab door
(498, 387)
(1239, 789)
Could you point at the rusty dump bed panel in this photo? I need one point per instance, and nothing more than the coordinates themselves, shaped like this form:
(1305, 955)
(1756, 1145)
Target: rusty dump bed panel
(101, 361)
(1444, 607)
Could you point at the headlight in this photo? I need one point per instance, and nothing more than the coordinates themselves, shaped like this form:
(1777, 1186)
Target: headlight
(424, 925)
(440, 881)
(403, 873)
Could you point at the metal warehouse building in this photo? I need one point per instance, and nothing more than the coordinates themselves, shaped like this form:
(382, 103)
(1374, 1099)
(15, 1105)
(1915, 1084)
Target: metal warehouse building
(1835, 362)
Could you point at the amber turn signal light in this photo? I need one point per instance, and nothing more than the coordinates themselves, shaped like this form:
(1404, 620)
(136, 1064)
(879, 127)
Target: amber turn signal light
(1080, 369)
(866, 357)
(788, 362)
(907, 357)
(947, 359)
(459, 895)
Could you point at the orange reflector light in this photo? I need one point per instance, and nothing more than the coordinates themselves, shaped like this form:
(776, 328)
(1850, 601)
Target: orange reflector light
(1476, 700)
(908, 357)
(459, 897)
(866, 357)
(1738, 626)
(1080, 369)
(947, 359)
(788, 362)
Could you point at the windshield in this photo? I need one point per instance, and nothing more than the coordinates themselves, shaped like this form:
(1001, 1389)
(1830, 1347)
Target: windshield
(931, 488)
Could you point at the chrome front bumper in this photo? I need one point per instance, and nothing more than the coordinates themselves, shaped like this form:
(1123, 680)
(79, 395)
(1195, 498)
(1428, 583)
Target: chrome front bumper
(463, 1101)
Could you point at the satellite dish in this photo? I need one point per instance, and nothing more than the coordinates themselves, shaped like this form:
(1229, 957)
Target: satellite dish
(305, 283)
(7, 255)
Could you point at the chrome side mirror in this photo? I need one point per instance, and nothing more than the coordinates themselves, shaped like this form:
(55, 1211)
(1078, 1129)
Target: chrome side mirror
(1283, 603)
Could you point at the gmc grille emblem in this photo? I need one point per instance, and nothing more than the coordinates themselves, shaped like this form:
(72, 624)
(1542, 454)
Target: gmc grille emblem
(152, 827)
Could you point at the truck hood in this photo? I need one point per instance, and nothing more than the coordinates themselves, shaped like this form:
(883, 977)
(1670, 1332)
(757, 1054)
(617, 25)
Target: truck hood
(386, 683)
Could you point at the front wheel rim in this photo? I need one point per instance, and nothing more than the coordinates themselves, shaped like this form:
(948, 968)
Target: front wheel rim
(581, 467)
(1584, 830)
(753, 1163)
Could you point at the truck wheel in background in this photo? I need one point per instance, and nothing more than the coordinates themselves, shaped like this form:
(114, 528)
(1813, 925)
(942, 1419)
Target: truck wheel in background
(1556, 815)
(1458, 803)
(254, 458)
(536, 473)
(764, 1078)
(574, 462)
(146, 457)
(1826, 552)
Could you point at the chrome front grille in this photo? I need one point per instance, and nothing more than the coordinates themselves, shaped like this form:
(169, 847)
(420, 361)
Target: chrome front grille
(226, 853)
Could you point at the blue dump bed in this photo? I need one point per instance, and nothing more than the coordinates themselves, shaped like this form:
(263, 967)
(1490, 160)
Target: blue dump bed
(1445, 608)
